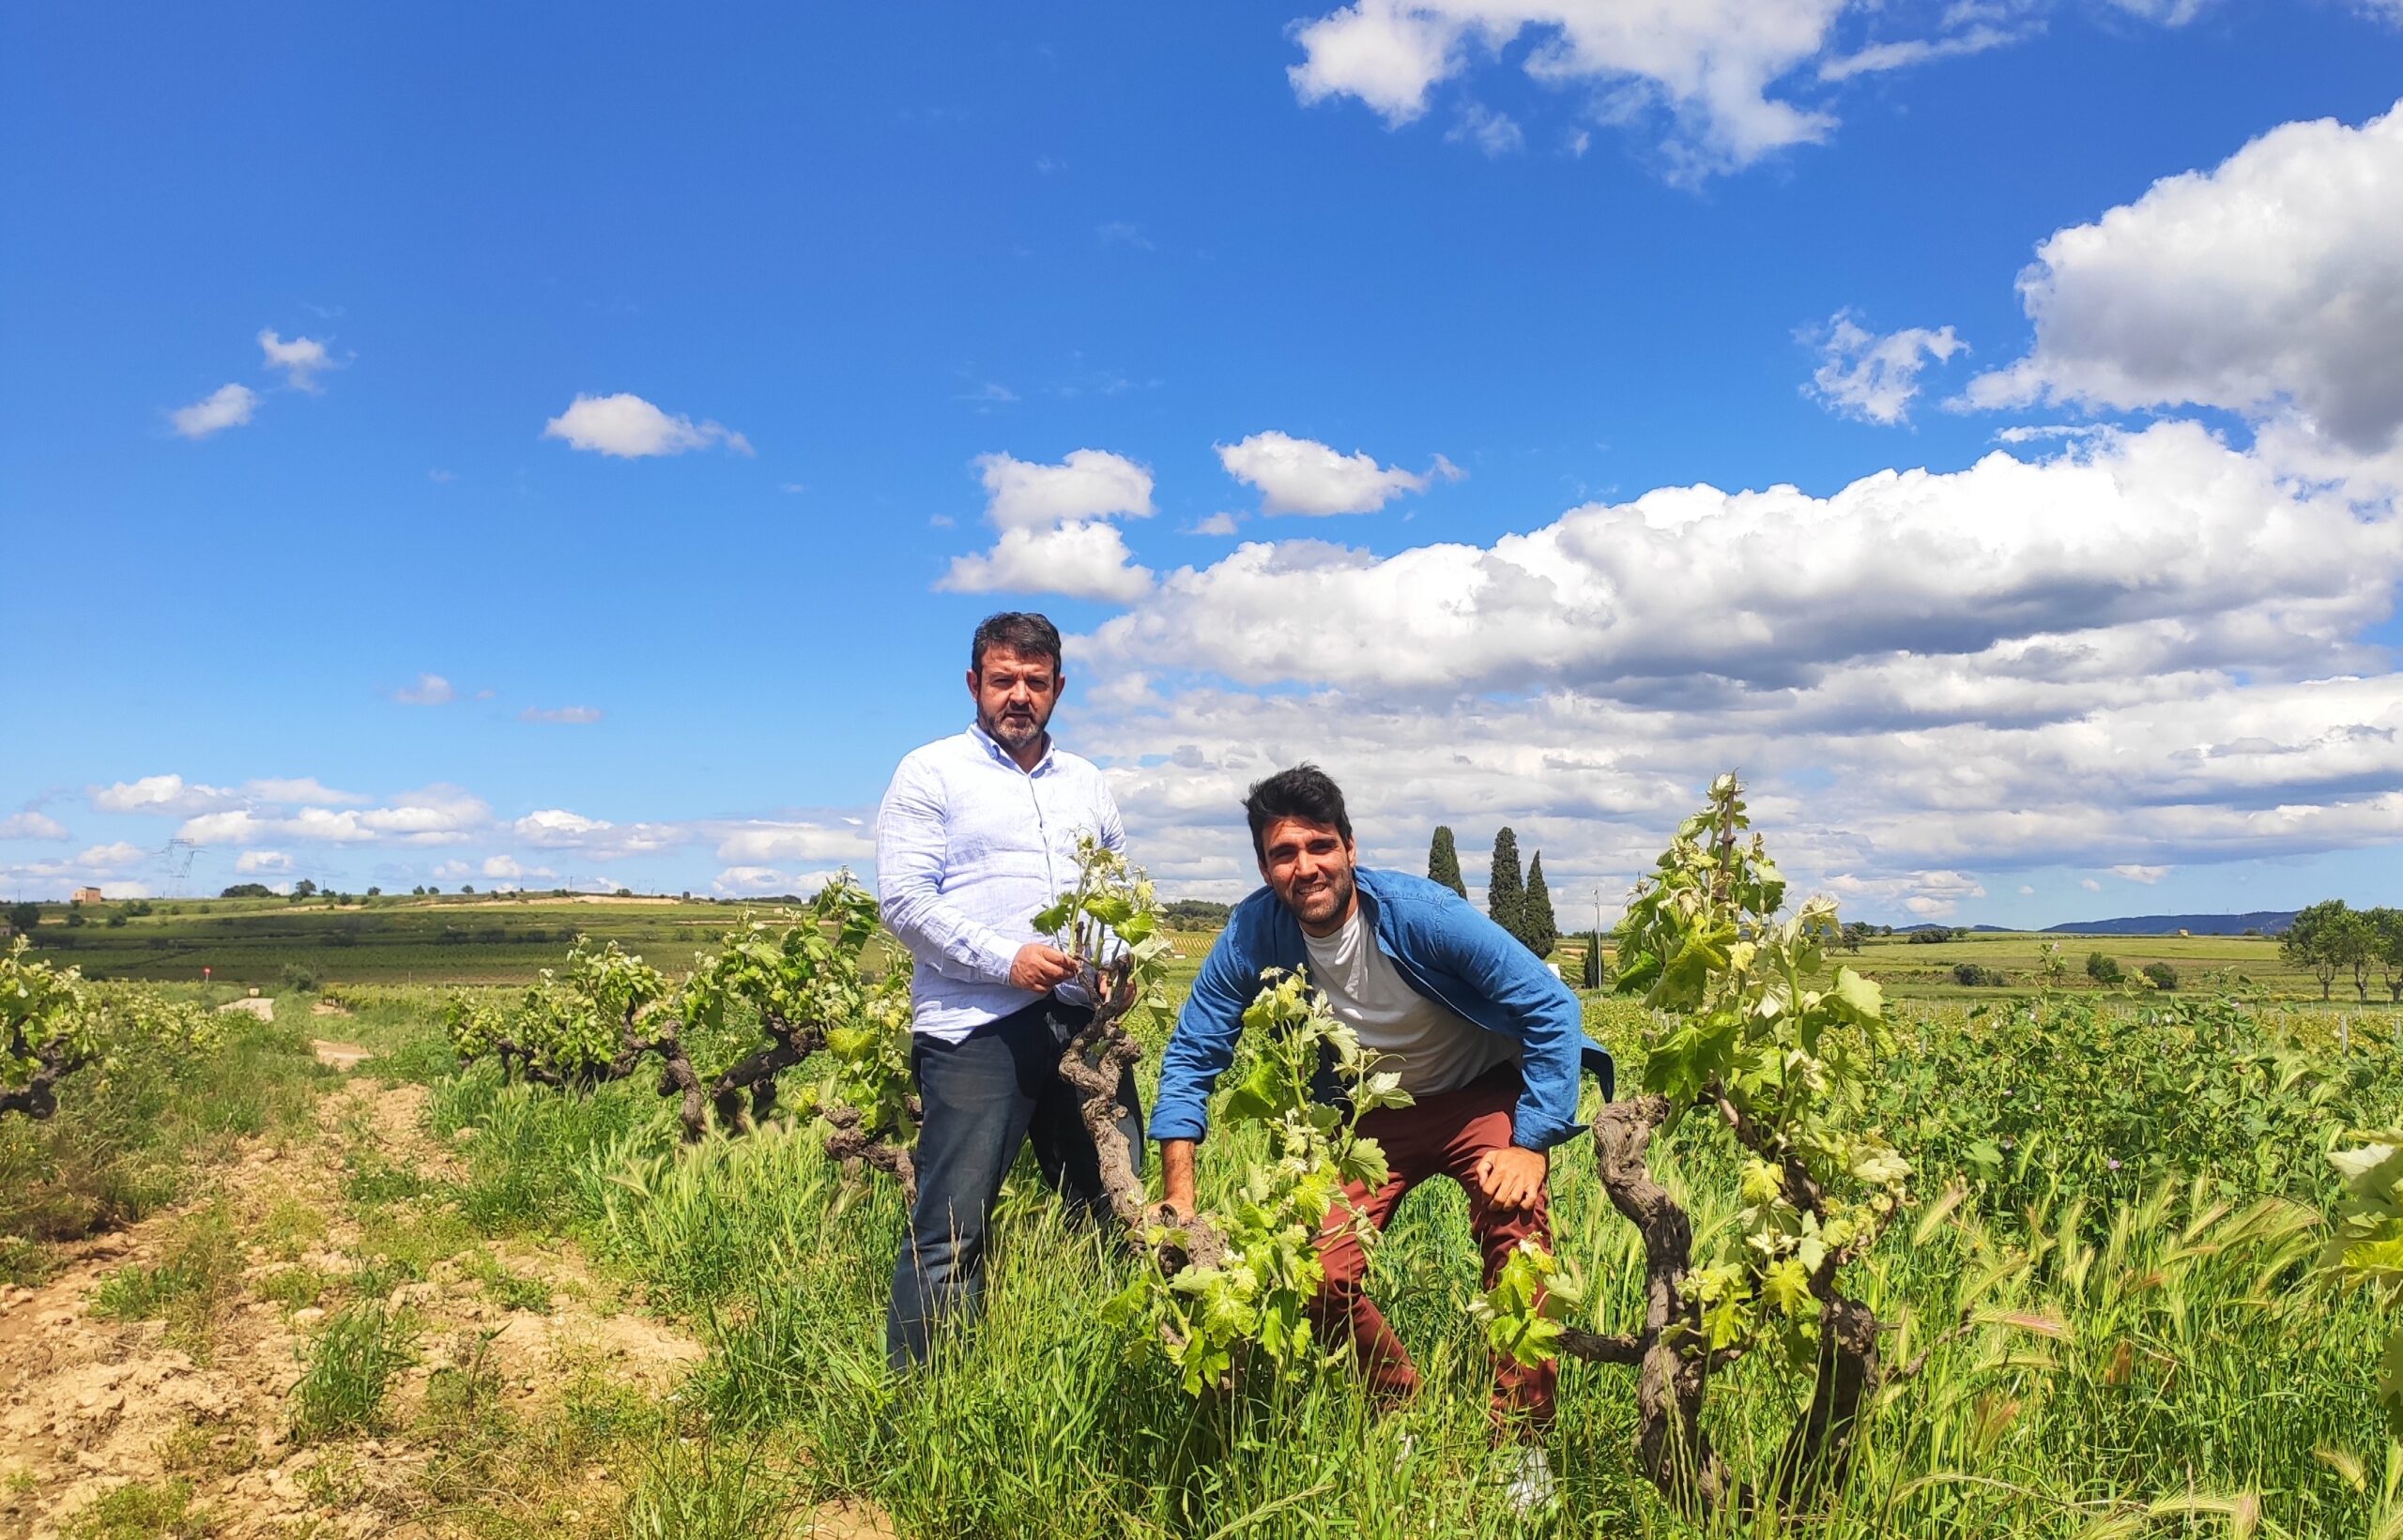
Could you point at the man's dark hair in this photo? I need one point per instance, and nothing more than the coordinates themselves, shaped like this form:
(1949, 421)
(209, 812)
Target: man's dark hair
(1303, 792)
(1027, 634)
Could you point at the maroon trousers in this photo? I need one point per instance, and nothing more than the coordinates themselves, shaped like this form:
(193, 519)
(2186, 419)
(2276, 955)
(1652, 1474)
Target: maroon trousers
(1444, 1135)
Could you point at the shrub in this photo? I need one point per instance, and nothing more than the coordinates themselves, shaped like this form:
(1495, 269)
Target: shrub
(2104, 969)
(2161, 975)
(301, 978)
(1978, 976)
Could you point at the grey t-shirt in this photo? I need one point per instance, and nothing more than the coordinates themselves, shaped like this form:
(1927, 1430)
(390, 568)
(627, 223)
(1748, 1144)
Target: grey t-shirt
(1435, 1049)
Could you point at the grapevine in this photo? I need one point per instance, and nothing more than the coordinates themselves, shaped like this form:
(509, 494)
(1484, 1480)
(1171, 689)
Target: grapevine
(2366, 1249)
(1768, 1041)
(601, 1015)
(1109, 921)
(52, 1024)
(1250, 1271)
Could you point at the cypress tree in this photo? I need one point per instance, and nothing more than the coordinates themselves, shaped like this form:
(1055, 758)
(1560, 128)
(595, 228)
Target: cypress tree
(1595, 977)
(1444, 861)
(1539, 929)
(1506, 896)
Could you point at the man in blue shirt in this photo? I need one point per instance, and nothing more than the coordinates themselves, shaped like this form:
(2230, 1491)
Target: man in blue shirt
(1487, 1041)
(977, 835)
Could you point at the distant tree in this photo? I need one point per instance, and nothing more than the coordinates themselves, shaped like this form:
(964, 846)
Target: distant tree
(248, 890)
(468, 887)
(375, 893)
(116, 920)
(1978, 976)
(305, 889)
(2387, 925)
(2102, 969)
(1855, 932)
(1934, 935)
(1444, 861)
(23, 918)
(1194, 913)
(1595, 975)
(2355, 942)
(625, 892)
(2161, 975)
(1542, 928)
(1506, 891)
(2312, 942)
(75, 915)
(1884, 930)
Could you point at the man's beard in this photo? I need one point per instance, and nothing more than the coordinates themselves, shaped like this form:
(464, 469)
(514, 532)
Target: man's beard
(1015, 732)
(1338, 890)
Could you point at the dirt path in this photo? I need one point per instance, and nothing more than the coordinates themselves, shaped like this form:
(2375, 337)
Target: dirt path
(194, 1408)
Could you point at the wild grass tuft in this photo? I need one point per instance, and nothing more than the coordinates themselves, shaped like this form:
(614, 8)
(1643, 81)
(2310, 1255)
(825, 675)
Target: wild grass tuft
(350, 1367)
(195, 1275)
(143, 1511)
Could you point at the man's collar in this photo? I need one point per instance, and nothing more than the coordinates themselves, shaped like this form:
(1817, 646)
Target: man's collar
(993, 746)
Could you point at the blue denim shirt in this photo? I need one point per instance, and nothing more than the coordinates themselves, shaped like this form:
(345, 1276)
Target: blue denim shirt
(1444, 949)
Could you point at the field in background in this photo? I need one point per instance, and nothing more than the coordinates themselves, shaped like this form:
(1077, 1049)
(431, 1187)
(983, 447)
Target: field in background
(494, 938)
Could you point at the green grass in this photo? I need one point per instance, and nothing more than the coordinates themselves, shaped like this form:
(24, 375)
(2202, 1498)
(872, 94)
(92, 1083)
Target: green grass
(2183, 1373)
(351, 1364)
(126, 1143)
(197, 1274)
(143, 1511)
(454, 938)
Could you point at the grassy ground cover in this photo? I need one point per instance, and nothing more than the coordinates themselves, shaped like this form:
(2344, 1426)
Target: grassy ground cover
(2151, 1359)
(2139, 1179)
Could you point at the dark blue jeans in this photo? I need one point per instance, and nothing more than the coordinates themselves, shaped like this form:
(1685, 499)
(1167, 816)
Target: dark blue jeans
(983, 1098)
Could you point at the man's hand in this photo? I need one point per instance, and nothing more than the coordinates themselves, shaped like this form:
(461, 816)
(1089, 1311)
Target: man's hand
(1512, 1178)
(1040, 969)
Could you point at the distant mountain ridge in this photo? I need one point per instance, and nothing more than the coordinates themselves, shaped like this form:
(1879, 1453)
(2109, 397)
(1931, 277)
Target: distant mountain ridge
(2268, 922)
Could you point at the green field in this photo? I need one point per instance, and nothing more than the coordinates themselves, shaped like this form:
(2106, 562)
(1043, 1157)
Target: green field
(502, 940)
(469, 940)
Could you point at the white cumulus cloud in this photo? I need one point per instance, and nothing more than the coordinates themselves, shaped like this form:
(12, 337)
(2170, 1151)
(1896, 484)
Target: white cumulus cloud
(2169, 528)
(165, 794)
(762, 844)
(1709, 64)
(252, 863)
(302, 359)
(631, 428)
(2269, 282)
(429, 690)
(1055, 534)
(32, 826)
(227, 407)
(1865, 375)
(1303, 476)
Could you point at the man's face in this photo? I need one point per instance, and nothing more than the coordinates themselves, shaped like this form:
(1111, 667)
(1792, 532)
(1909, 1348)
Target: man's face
(1014, 695)
(1308, 867)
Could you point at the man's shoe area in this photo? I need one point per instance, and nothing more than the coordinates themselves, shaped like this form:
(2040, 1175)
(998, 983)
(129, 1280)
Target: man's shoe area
(1526, 1479)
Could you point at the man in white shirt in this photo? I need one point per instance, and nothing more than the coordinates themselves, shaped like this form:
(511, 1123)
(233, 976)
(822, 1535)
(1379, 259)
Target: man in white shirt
(977, 835)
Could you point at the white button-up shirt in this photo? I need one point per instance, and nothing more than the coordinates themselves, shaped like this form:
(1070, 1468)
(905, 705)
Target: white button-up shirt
(968, 850)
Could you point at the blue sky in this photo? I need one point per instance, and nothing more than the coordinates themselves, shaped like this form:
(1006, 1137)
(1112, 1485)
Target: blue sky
(1162, 291)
